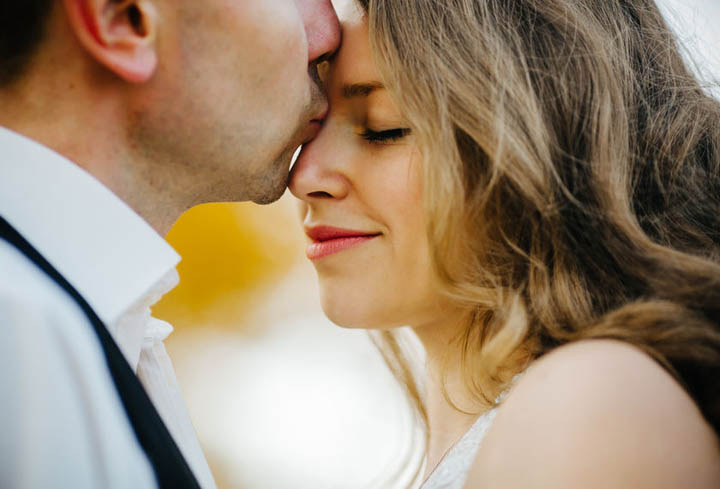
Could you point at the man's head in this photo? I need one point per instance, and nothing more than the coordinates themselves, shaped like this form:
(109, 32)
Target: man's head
(210, 98)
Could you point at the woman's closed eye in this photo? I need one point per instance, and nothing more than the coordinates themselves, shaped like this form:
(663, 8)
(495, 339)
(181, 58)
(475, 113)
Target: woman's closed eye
(385, 137)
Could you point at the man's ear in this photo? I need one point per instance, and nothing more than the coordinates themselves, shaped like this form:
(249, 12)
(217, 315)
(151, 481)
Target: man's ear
(120, 34)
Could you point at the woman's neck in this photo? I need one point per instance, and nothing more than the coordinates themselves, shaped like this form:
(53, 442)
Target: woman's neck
(451, 410)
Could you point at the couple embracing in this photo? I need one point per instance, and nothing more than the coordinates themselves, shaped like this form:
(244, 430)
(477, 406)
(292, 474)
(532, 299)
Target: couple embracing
(531, 185)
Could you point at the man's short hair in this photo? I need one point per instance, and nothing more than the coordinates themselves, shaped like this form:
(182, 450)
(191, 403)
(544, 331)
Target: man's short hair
(22, 24)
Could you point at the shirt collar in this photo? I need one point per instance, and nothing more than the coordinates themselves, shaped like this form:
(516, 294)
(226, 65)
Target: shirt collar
(101, 246)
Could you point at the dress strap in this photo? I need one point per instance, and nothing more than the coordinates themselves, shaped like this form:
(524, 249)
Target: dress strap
(453, 469)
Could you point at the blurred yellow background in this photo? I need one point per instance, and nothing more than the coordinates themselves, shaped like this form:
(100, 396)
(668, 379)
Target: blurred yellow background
(231, 254)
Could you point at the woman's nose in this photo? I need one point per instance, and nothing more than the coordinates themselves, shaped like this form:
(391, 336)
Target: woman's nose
(316, 175)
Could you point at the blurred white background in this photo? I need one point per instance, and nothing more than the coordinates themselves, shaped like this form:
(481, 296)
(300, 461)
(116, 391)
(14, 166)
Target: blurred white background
(696, 23)
(281, 398)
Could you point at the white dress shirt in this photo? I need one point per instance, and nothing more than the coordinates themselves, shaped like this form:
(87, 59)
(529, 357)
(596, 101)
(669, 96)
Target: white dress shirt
(62, 423)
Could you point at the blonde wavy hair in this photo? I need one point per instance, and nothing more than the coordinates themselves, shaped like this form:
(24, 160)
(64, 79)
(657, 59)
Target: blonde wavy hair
(572, 179)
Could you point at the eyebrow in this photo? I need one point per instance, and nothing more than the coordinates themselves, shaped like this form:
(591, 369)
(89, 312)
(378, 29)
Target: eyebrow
(361, 89)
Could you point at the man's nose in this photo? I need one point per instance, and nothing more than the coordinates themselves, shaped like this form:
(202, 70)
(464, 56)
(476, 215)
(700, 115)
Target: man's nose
(322, 27)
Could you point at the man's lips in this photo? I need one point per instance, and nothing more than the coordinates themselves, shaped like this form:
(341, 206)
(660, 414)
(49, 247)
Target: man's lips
(314, 126)
(322, 113)
(327, 240)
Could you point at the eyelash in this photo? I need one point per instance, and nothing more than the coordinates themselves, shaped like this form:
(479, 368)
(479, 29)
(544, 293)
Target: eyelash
(383, 137)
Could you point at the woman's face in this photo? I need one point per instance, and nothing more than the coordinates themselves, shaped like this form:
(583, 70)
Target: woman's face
(361, 192)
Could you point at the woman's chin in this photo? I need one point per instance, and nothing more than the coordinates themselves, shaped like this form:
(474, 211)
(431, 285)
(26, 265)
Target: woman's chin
(351, 315)
(345, 320)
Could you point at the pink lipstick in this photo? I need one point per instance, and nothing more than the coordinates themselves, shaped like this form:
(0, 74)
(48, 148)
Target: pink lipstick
(328, 240)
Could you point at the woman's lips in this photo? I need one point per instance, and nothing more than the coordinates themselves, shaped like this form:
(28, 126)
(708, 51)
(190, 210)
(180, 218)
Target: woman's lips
(328, 240)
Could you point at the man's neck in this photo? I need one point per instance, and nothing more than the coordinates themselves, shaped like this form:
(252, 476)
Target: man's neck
(90, 132)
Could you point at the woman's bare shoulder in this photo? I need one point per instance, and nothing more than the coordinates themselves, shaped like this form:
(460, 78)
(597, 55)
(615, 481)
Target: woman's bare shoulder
(598, 414)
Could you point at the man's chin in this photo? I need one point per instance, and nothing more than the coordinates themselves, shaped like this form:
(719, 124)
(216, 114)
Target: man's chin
(270, 198)
(274, 188)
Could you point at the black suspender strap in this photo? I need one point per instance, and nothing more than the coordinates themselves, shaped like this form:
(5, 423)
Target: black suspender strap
(171, 469)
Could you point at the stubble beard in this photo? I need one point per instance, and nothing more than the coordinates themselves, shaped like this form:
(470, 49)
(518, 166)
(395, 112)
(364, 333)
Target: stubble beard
(170, 162)
(277, 182)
